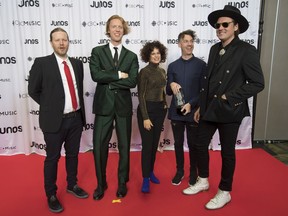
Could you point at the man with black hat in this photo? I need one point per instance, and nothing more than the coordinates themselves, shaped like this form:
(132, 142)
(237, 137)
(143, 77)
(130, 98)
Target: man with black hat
(234, 74)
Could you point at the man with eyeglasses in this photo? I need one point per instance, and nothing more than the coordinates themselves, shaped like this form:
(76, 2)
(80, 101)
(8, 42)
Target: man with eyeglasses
(234, 74)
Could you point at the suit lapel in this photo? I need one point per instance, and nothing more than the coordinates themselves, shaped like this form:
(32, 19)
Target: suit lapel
(108, 54)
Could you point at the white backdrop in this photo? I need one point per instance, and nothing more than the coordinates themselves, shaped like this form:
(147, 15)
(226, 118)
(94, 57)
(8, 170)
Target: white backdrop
(25, 28)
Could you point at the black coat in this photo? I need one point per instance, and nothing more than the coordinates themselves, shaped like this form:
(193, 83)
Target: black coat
(242, 78)
(46, 88)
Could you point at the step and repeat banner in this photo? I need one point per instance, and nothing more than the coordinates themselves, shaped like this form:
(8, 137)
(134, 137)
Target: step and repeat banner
(24, 35)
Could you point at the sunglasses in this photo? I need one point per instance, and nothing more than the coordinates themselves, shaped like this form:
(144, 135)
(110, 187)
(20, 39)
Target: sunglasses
(224, 24)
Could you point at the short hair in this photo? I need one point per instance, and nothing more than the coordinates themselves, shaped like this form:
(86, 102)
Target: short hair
(124, 23)
(148, 48)
(58, 29)
(187, 32)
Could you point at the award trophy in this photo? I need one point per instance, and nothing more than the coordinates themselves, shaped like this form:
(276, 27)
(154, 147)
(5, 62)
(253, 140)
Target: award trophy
(179, 101)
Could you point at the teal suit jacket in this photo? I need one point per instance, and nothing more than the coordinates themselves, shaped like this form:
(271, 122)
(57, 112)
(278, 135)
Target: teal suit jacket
(113, 94)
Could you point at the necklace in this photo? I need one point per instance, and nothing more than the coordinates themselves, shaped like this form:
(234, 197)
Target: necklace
(222, 52)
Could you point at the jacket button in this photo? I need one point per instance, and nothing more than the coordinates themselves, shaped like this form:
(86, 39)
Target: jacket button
(228, 71)
(215, 96)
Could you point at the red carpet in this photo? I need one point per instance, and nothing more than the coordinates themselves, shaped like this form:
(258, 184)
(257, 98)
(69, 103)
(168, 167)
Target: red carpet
(260, 188)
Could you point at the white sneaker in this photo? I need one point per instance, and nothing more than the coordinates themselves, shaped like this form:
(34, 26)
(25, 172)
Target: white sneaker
(202, 184)
(220, 200)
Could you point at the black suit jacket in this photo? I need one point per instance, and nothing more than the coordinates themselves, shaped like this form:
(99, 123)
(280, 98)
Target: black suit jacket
(46, 88)
(242, 78)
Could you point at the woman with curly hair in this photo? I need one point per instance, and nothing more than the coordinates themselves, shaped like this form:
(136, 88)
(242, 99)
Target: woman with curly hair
(152, 107)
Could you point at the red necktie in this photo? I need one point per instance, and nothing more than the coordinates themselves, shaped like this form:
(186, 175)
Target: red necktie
(71, 85)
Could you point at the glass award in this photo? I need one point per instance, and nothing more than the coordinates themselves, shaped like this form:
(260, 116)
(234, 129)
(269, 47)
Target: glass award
(179, 101)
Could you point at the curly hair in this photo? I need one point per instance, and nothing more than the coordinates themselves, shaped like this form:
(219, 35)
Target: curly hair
(148, 48)
(124, 23)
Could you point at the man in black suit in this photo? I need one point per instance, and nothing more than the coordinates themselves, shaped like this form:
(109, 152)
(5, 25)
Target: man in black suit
(115, 70)
(56, 84)
(234, 75)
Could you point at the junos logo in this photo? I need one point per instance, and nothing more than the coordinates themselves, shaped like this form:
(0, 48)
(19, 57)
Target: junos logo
(38, 146)
(133, 23)
(88, 127)
(112, 145)
(8, 60)
(206, 41)
(103, 41)
(200, 23)
(7, 130)
(5, 80)
(167, 4)
(250, 41)
(164, 142)
(102, 4)
(59, 23)
(34, 112)
(243, 4)
(84, 59)
(172, 41)
(31, 41)
(29, 3)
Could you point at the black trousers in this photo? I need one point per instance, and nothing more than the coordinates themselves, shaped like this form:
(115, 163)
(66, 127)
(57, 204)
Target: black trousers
(228, 134)
(69, 134)
(150, 139)
(178, 128)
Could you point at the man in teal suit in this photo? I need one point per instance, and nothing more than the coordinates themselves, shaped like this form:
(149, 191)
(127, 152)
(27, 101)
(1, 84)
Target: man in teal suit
(115, 70)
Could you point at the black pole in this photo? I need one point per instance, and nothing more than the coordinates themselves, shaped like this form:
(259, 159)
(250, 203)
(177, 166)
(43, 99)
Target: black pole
(260, 31)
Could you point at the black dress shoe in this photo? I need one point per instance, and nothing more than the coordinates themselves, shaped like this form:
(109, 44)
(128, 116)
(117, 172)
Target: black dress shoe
(78, 192)
(122, 191)
(54, 204)
(99, 192)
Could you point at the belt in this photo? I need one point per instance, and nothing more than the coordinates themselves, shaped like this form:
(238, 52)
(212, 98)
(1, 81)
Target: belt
(71, 114)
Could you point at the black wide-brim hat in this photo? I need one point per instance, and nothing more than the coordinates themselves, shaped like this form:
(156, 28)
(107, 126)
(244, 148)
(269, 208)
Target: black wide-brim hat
(232, 12)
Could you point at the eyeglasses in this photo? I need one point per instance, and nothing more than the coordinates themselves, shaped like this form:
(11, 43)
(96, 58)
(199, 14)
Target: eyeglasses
(224, 24)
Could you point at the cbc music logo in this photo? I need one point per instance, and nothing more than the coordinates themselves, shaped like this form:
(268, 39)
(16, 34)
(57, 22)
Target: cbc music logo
(75, 41)
(23, 95)
(59, 23)
(134, 6)
(167, 4)
(206, 41)
(242, 4)
(30, 59)
(8, 60)
(26, 23)
(8, 113)
(136, 41)
(29, 3)
(164, 23)
(62, 5)
(102, 4)
(201, 5)
(93, 23)
(89, 94)
(5, 80)
(4, 41)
